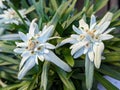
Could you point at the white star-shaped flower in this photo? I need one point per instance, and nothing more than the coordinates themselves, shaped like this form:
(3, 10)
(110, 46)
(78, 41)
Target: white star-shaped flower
(35, 47)
(88, 39)
(10, 16)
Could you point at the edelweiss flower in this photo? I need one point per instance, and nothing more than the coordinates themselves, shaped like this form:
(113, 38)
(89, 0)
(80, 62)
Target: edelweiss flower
(88, 40)
(35, 46)
(1, 4)
(10, 16)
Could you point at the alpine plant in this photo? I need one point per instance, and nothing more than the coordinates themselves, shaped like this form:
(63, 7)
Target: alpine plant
(88, 39)
(35, 47)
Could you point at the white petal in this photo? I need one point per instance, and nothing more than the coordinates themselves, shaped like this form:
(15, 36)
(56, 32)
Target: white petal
(108, 31)
(26, 53)
(78, 31)
(83, 24)
(78, 53)
(93, 27)
(28, 65)
(46, 33)
(55, 37)
(10, 37)
(49, 46)
(33, 28)
(57, 61)
(23, 36)
(105, 36)
(21, 44)
(98, 49)
(19, 50)
(68, 40)
(36, 59)
(92, 20)
(103, 27)
(46, 51)
(86, 48)
(77, 46)
(41, 57)
(91, 54)
(23, 61)
(75, 36)
(108, 17)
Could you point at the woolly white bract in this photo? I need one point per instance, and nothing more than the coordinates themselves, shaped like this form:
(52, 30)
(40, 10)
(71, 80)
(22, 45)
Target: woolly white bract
(35, 47)
(88, 39)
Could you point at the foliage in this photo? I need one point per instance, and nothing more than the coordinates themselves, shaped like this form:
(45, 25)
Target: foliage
(47, 76)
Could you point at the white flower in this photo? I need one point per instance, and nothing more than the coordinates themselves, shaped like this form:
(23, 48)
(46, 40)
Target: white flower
(1, 4)
(10, 16)
(88, 40)
(35, 47)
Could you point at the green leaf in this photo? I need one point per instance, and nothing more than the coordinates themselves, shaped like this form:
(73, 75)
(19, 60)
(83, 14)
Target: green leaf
(34, 80)
(99, 4)
(44, 76)
(90, 10)
(54, 4)
(112, 56)
(105, 82)
(59, 13)
(9, 59)
(79, 63)
(65, 79)
(89, 72)
(68, 57)
(110, 72)
(15, 86)
(71, 7)
(86, 5)
(30, 9)
(116, 15)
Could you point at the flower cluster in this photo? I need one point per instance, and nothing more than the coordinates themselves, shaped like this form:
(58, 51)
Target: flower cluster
(88, 40)
(10, 16)
(35, 47)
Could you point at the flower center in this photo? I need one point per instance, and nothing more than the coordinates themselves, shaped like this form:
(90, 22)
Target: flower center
(31, 45)
(82, 36)
(91, 33)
